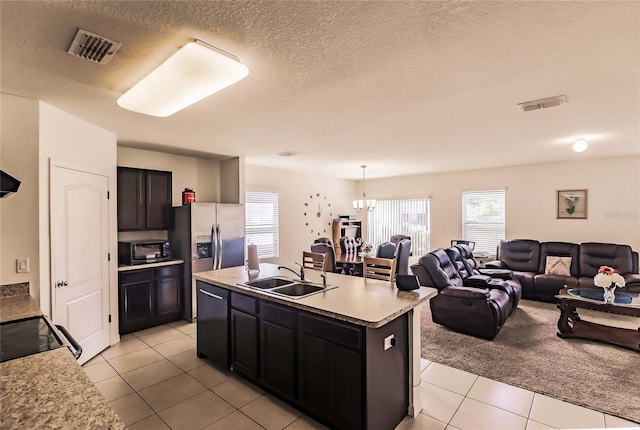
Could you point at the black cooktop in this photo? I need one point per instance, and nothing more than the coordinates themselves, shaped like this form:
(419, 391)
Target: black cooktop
(19, 338)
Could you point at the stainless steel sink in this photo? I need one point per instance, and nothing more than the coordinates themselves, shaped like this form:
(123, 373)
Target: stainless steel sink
(294, 289)
(269, 283)
(298, 290)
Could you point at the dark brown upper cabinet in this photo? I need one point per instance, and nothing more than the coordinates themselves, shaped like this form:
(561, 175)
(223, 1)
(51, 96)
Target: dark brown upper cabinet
(144, 199)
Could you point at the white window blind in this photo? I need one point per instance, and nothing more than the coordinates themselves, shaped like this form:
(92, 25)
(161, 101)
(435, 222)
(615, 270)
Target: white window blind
(483, 218)
(261, 214)
(408, 217)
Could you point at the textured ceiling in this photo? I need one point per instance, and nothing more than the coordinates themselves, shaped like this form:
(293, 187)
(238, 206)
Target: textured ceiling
(404, 87)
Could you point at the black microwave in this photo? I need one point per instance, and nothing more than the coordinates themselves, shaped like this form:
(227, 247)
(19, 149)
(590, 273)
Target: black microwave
(143, 251)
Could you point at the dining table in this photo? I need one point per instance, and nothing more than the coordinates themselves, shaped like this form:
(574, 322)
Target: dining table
(351, 263)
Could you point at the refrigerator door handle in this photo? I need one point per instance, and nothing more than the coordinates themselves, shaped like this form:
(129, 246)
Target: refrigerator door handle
(214, 246)
(219, 235)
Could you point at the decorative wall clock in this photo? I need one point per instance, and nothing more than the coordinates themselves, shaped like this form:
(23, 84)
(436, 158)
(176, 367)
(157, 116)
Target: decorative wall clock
(316, 209)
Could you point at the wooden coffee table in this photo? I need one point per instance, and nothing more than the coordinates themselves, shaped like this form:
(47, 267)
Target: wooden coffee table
(570, 325)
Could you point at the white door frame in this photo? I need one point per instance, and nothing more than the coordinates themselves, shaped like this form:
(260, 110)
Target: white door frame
(47, 301)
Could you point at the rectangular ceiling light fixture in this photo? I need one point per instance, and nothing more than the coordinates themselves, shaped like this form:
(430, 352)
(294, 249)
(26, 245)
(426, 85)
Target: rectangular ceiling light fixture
(194, 72)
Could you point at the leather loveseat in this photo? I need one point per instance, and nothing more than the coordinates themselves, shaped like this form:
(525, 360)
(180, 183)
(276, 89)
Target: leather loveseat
(468, 301)
(544, 268)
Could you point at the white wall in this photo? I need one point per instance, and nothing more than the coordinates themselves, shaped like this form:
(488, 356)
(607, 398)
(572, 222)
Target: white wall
(19, 211)
(294, 189)
(69, 140)
(613, 199)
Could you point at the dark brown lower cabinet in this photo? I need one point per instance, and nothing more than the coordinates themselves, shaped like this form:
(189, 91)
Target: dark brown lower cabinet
(136, 307)
(330, 374)
(339, 373)
(278, 348)
(149, 297)
(244, 343)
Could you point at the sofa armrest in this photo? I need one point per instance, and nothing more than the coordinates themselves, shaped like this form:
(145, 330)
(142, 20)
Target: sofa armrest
(632, 282)
(478, 281)
(421, 273)
(495, 264)
(505, 274)
(466, 292)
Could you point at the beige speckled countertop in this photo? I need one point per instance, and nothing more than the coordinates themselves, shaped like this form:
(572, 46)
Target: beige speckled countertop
(126, 267)
(367, 302)
(48, 390)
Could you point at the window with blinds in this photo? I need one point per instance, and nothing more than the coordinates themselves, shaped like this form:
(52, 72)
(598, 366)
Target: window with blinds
(261, 218)
(483, 219)
(408, 217)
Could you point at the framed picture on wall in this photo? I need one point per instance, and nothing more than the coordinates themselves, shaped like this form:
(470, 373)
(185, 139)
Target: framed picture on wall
(571, 204)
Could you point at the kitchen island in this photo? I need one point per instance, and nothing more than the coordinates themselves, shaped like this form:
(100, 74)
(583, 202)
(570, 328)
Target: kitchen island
(349, 355)
(48, 389)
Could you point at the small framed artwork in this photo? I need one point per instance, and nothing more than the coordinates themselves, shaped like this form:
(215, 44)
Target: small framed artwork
(571, 204)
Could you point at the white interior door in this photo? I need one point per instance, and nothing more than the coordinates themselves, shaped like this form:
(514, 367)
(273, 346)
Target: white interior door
(79, 217)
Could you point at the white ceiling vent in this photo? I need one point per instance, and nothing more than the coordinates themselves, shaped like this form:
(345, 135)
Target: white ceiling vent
(542, 103)
(92, 47)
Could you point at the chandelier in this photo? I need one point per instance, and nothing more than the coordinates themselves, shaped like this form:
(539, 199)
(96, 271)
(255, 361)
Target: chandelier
(364, 204)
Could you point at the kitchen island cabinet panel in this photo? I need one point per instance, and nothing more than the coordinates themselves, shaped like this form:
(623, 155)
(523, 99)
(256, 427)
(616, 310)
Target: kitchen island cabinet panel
(330, 375)
(354, 364)
(278, 358)
(244, 343)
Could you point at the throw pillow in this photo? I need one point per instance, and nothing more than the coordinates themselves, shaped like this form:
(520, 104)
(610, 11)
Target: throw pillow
(558, 266)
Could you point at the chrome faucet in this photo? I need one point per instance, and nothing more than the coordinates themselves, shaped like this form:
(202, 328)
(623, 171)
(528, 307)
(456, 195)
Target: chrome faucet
(324, 280)
(301, 274)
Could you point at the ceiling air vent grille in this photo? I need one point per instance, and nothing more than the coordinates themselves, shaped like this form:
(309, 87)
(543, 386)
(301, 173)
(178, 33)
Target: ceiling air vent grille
(92, 47)
(542, 103)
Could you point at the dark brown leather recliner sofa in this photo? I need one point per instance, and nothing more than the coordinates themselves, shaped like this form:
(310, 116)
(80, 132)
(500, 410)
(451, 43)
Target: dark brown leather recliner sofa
(531, 263)
(468, 301)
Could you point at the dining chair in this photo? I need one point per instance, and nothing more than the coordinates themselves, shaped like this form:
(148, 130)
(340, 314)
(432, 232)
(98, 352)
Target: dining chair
(379, 268)
(386, 250)
(330, 262)
(314, 260)
(402, 257)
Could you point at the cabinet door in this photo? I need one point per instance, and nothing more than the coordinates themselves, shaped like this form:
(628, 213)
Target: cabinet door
(136, 301)
(168, 294)
(313, 374)
(346, 387)
(158, 200)
(244, 343)
(131, 201)
(277, 358)
(330, 381)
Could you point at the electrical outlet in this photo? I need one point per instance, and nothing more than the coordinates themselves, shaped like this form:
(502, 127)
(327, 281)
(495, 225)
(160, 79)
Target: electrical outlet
(389, 341)
(22, 265)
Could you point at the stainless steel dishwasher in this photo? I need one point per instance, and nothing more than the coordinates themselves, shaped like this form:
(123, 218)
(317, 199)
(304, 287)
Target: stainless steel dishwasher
(213, 324)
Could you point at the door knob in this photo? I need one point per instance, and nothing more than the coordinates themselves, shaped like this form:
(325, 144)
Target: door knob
(61, 284)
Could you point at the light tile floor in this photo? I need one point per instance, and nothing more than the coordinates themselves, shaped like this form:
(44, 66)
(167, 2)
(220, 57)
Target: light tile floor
(154, 380)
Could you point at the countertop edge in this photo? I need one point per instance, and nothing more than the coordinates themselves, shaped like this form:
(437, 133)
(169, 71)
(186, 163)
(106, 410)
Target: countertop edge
(428, 293)
(128, 268)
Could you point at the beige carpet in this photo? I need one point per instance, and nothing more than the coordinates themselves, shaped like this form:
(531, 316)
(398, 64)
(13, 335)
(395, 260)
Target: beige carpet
(528, 354)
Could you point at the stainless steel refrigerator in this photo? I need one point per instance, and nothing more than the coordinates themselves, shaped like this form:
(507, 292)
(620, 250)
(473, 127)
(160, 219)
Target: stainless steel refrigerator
(207, 236)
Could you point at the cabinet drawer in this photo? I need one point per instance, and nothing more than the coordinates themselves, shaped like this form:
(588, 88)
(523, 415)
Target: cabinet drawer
(135, 276)
(276, 314)
(335, 332)
(165, 271)
(244, 303)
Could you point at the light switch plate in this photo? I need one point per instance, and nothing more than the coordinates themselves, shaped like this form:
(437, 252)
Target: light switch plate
(389, 341)
(22, 265)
